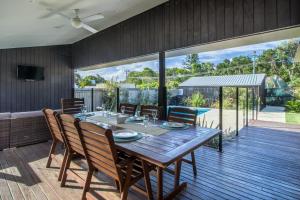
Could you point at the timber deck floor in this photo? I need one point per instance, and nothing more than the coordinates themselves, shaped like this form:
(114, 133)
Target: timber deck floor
(263, 162)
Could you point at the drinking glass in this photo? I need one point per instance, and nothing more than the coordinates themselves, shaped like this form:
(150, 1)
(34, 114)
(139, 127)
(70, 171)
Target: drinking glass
(123, 110)
(83, 109)
(154, 115)
(146, 120)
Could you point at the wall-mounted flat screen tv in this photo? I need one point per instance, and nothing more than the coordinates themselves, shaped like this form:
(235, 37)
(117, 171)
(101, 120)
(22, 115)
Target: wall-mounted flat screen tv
(30, 73)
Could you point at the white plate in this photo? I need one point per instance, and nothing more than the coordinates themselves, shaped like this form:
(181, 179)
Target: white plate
(174, 124)
(124, 134)
(134, 118)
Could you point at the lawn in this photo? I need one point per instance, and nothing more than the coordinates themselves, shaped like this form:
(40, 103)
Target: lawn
(292, 118)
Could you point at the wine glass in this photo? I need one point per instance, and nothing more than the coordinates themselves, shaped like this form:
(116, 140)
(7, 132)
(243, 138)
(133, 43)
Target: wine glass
(123, 110)
(154, 115)
(146, 120)
(103, 109)
(138, 113)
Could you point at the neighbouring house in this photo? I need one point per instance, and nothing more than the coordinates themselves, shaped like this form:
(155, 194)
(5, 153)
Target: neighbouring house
(209, 85)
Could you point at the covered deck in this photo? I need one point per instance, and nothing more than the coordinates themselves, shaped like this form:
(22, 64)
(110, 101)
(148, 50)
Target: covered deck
(261, 163)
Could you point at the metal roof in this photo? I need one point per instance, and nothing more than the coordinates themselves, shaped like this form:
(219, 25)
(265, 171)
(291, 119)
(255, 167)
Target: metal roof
(248, 80)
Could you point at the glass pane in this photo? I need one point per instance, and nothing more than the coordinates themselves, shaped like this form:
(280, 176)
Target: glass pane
(139, 96)
(242, 108)
(87, 95)
(137, 83)
(229, 112)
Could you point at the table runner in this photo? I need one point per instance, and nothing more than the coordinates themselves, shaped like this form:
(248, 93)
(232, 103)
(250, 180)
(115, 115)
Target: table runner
(138, 127)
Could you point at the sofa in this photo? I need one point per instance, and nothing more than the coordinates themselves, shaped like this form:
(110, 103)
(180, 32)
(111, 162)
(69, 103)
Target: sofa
(22, 128)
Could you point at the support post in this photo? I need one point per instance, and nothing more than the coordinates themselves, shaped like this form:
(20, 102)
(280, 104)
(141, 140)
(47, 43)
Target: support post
(237, 111)
(253, 103)
(247, 105)
(118, 99)
(162, 90)
(73, 93)
(221, 118)
(92, 99)
(257, 102)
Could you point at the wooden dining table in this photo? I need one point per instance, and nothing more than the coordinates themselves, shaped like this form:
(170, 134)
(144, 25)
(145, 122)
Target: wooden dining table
(168, 148)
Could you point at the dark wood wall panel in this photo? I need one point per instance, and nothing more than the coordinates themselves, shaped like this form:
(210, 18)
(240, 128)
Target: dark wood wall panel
(295, 7)
(220, 19)
(259, 15)
(212, 28)
(18, 95)
(248, 16)
(182, 23)
(229, 18)
(271, 14)
(284, 13)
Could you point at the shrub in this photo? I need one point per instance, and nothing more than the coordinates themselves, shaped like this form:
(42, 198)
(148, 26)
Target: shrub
(293, 106)
(297, 93)
(196, 100)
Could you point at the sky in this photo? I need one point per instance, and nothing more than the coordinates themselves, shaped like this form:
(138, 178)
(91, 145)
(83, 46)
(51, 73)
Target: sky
(118, 72)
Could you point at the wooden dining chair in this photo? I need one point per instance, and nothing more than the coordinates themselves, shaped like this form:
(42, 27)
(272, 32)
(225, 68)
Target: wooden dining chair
(188, 116)
(71, 106)
(130, 109)
(73, 145)
(101, 154)
(147, 110)
(57, 138)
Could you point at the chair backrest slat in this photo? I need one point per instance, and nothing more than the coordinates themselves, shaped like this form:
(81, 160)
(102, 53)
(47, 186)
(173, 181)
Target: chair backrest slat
(71, 106)
(147, 110)
(183, 115)
(53, 124)
(130, 109)
(99, 148)
(70, 133)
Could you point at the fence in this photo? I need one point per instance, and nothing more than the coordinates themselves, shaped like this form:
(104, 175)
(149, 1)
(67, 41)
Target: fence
(95, 97)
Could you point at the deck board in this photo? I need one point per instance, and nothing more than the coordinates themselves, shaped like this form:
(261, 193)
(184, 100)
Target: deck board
(261, 163)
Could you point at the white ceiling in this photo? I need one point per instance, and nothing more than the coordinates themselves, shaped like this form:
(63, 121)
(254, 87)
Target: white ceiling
(27, 23)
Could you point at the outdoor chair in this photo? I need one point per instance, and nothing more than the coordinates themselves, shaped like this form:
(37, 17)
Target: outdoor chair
(57, 138)
(101, 154)
(73, 145)
(188, 116)
(71, 106)
(130, 109)
(147, 110)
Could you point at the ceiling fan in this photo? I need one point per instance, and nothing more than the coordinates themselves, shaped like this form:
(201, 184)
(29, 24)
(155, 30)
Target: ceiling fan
(76, 21)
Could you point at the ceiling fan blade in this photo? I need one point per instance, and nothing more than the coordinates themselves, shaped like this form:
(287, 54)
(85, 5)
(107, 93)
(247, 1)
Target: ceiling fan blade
(56, 11)
(87, 27)
(93, 18)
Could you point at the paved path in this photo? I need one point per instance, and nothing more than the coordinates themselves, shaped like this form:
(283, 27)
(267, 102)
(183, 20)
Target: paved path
(272, 114)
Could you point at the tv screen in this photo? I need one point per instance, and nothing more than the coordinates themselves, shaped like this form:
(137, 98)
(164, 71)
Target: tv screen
(30, 73)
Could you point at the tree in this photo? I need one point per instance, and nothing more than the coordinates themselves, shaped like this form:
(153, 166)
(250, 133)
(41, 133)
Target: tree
(77, 79)
(196, 100)
(143, 78)
(90, 81)
(191, 62)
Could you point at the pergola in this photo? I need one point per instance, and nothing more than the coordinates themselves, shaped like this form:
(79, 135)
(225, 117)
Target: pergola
(255, 82)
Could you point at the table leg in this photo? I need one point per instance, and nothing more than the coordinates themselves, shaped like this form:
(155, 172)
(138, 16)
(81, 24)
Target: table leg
(147, 179)
(159, 183)
(177, 173)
